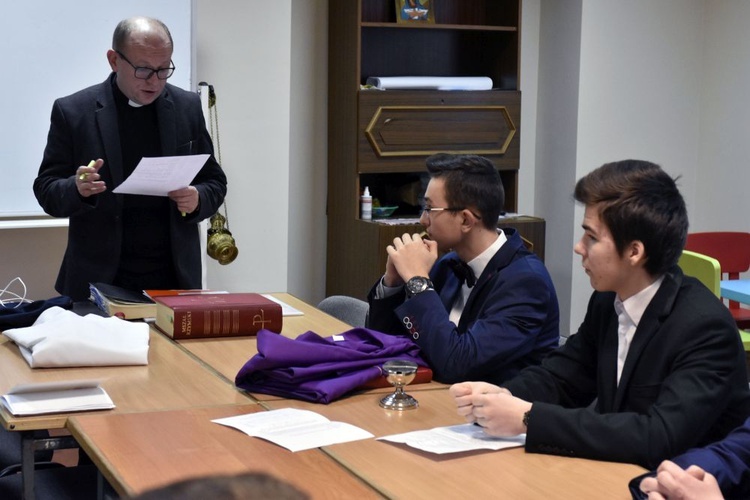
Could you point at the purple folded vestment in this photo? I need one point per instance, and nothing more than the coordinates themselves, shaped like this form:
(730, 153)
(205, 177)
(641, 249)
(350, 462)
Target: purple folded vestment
(318, 369)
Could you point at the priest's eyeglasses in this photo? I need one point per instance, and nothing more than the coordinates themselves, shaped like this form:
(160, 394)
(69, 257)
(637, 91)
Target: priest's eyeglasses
(143, 73)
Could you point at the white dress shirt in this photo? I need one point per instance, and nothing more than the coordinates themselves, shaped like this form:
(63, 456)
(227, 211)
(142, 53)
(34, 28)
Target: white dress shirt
(629, 314)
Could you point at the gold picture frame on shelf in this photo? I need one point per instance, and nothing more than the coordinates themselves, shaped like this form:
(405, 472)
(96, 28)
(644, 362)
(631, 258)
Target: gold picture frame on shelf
(415, 11)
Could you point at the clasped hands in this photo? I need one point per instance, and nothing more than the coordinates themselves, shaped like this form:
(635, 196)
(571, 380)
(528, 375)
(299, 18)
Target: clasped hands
(493, 408)
(672, 481)
(88, 183)
(409, 256)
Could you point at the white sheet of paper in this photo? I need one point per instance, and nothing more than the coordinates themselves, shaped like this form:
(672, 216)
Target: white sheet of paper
(294, 429)
(286, 309)
(159, 176)
(455, 439)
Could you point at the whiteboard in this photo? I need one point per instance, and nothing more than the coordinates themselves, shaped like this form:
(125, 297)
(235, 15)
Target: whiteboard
(53, 48)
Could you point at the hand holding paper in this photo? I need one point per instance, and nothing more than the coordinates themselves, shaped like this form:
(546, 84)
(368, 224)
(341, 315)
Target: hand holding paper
(187, 199)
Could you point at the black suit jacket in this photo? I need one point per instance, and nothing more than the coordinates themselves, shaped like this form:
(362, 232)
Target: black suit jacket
(684, 382)
(83, 128)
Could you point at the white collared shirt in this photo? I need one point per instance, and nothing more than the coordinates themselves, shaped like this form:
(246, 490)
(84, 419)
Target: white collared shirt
(477, 264)
(629, 313)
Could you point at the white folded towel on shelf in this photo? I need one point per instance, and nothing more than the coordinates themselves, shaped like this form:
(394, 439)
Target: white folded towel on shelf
(61, 338)
(431, 82)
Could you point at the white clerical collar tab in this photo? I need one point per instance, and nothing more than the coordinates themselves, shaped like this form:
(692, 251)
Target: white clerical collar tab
(134, 104)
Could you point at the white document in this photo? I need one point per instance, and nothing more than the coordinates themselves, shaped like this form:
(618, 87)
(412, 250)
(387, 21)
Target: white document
(158, 176)
(455, 439)
(286, 309)
(294, 429)
(57, 397)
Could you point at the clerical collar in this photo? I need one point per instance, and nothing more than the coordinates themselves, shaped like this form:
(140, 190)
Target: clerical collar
(122, 98)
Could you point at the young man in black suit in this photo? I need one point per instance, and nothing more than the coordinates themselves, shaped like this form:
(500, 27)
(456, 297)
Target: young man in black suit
(656, 367)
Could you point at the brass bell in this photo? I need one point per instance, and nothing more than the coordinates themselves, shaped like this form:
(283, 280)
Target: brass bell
(221, 245)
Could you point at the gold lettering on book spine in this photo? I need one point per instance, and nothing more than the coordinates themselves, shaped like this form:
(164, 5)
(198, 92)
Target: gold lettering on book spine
(260, 319)
(186, 324)
(209, 319)
(226, 326)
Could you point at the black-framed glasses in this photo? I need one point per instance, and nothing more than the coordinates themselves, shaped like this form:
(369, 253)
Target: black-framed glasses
(430, 210)
(144, 73)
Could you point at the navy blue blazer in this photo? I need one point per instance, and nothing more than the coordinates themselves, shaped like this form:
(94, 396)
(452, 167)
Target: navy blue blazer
(83, 128)
(510, 320)
(728, 460)
(684, 382)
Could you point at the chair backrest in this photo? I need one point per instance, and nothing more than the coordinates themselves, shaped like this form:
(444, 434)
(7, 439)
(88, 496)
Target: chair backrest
(706, 269)
(731, 249)
(347, 309)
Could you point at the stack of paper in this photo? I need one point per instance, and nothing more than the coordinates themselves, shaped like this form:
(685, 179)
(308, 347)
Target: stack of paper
(57, 397)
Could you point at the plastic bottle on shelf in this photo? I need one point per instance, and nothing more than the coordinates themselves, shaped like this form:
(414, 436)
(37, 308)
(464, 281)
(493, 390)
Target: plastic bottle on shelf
(366, 204)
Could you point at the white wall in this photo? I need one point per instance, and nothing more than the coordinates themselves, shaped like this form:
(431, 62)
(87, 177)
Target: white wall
(34, 255)
(267, 63)
(529, 82)
(243, 50)
(723, 166)
(559, 68)
(657, 81)
(308, 147)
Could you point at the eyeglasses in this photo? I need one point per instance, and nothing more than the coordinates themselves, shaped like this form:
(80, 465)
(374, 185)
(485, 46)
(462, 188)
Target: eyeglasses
(429, 210)
(143, 73)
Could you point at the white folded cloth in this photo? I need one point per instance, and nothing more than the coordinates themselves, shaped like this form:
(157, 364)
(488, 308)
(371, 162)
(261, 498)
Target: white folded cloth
(62, 338)
(431, 82)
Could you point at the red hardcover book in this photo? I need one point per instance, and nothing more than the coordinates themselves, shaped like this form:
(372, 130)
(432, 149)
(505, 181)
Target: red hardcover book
(216, 315)
(423, 375)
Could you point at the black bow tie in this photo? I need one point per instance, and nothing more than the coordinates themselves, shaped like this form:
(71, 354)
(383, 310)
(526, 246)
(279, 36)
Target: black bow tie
(463, 272)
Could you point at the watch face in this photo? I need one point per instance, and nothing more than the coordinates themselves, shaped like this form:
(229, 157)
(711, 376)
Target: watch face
(418, 284)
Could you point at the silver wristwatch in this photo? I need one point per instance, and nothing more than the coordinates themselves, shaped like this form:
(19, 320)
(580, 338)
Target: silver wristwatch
(418, 284)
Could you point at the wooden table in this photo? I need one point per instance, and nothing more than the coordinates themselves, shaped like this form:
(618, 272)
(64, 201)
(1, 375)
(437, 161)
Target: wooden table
(172, 379)
(227, 355)
(140, 451)
(398, 471)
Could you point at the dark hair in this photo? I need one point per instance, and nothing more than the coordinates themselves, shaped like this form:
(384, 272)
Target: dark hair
(246, 486)
(472, 182)
(127, 27)
(639, 201)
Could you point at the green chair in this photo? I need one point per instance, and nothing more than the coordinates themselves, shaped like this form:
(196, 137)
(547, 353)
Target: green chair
(708, 271)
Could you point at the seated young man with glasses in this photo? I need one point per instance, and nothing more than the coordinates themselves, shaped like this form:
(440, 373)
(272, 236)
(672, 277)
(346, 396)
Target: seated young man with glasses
(97, 137)
(485, 309)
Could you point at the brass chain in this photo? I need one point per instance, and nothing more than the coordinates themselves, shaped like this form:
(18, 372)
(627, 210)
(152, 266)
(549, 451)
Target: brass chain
(213, 121)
